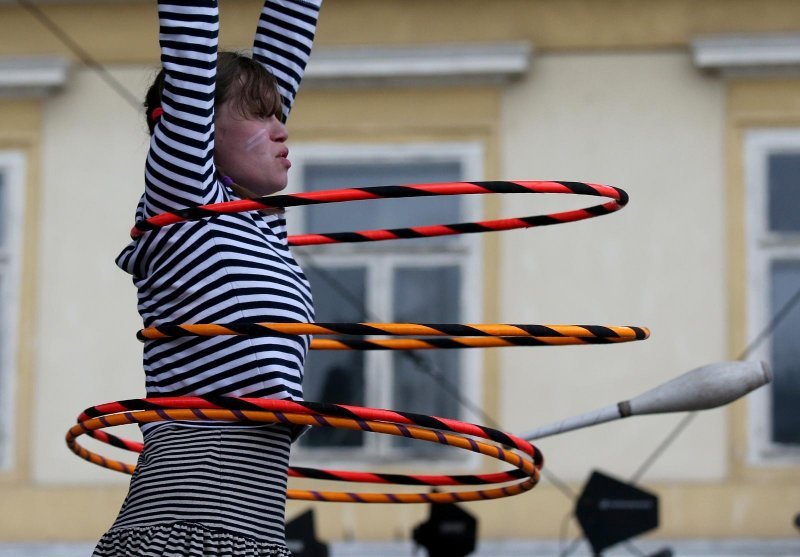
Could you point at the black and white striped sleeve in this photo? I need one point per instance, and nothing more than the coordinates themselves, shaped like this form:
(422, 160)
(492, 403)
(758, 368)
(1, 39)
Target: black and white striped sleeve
(283, 42)
(180, 163)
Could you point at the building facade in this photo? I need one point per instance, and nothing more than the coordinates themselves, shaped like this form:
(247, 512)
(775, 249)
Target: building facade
(692, 107)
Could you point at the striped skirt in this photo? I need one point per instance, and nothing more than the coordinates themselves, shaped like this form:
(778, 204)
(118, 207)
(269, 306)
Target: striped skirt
(200, 491)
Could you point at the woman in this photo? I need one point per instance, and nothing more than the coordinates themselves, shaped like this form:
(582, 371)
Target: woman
(218, 134)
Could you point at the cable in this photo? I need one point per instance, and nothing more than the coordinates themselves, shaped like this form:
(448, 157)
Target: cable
(421, 363)
(82, 55)
(656, 453)
(573, 545)
(779, 316)
(765, 333)
(562, 533)
(426, 367)
(633, 549)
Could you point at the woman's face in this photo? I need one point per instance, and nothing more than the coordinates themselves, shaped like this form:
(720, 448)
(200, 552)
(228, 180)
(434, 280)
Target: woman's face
(252, 151)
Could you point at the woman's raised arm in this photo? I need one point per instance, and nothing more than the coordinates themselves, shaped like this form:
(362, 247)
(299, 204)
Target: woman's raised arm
(180, 163)
(283, 42)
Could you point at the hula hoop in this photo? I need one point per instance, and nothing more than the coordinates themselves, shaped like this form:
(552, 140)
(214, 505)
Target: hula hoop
(618, 199)
(477, 335)
(526, 459)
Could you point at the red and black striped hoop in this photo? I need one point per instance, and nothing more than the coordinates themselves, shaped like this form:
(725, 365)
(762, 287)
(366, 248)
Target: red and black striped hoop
(618, 199)
(524, 457)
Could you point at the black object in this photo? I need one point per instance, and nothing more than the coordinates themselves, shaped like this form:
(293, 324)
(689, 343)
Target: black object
(450, 531)
(301, 537)
(611, 511)
(797, 520)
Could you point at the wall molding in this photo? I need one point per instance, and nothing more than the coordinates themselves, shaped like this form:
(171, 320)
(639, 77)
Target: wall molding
(451, 64)
(751, 54)
(32, 76)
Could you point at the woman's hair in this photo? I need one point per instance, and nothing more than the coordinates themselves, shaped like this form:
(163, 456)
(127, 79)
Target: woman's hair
(248, 86)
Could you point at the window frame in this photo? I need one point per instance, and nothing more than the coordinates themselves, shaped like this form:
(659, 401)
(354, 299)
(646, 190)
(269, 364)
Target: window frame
(12, 168)
(762, 248)
(465, 251)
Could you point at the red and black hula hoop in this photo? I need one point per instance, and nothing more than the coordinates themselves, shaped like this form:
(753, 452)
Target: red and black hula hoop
(618, 199)
(526, 459)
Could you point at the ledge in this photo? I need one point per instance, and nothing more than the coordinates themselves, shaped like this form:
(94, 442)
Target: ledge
(742, 55)
(25, 77)
(453, 64)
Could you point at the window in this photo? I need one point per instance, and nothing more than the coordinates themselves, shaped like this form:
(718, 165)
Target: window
(433, 280)
(11, 191)
(773, 236)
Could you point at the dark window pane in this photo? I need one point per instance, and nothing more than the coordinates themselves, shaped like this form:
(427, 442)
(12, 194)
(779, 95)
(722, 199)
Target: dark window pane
(334, 375)
(426, 295)
(3, 372)
(784, 192)
(384, 213)
(785, 355)
(3, 210)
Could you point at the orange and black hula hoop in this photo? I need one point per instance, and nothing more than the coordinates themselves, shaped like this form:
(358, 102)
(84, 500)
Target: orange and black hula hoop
(618, 199)
(526, 459)
(472, 335)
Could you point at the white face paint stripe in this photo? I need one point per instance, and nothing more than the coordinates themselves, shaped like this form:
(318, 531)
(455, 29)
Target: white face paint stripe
(257, 139)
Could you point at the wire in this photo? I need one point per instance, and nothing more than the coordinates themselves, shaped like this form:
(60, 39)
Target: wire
(779, 316)
(633, 549)
(424, 365)
(765, 333)
(663, 446)
(573, 545)
(562, 533)
(81, 54)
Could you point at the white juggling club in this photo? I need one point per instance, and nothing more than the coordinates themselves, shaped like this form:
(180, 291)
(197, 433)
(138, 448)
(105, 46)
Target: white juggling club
(703, 388)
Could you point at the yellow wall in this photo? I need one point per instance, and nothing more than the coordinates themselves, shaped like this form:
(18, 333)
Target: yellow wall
(752, 103)
(732, 505)
(615, 118)
(20, 130)
(550, 25)
(75, 500)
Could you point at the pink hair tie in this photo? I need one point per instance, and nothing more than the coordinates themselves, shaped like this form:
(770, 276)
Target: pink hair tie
(156, 114)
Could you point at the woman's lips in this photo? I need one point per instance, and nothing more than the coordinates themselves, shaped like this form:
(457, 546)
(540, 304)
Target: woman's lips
(284, 158)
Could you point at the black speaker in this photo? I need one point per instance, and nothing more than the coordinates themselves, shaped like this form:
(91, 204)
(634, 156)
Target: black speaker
(301, 537)
(611, 511)
(450, 531)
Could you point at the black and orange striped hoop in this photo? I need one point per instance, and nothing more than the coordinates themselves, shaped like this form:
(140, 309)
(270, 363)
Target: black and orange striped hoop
(526, 459)
(446, 335)
(618, 199)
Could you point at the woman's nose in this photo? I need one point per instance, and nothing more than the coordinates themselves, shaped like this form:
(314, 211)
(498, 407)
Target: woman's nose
(278, 131)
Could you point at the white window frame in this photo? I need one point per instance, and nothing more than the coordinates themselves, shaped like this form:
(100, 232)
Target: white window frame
(467, 252)
(762, 248)
(12, 168)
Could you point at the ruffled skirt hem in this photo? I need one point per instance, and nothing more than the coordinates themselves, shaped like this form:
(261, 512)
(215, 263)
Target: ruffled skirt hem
(183, 539)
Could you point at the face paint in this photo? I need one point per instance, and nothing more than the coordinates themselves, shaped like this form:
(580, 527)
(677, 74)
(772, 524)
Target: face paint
(257, 139)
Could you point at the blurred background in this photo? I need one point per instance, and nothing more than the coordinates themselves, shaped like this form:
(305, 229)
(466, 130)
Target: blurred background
(691, 106)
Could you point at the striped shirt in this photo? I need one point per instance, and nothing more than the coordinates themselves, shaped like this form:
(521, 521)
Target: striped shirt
(213, 490)
(226, 268)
